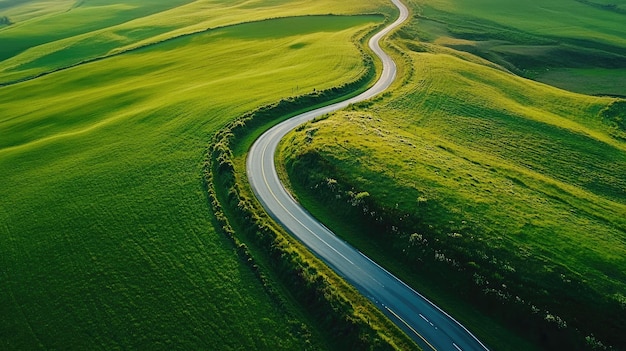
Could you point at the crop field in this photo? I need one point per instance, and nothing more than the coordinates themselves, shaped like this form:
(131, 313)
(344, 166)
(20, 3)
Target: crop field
(584, 41)
(501, 198)
(107, 240)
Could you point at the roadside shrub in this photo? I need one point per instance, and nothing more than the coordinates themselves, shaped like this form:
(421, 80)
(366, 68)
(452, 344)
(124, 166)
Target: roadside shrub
(326, 304)
(444, 251)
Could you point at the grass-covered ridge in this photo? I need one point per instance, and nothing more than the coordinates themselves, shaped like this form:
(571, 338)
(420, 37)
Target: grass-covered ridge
(576, 45)
(141, 82)
(107, 239)
(86, 30)
(501, 198)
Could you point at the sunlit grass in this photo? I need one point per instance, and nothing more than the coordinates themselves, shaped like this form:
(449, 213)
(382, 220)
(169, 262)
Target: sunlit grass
(205, 68)
(92, 30)
(106, 236)
(495, 171)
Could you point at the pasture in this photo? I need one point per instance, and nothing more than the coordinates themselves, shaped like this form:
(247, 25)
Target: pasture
(584, 41)
(501, 198)
(107, 240)
(45, 38)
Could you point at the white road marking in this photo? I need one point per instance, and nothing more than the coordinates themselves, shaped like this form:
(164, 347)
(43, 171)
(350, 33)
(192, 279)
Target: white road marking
(387, 76)
(410, 327)
(291, 214)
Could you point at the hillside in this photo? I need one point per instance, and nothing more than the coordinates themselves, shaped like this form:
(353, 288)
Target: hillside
(499, 197)
(107, 239)
(577, 45)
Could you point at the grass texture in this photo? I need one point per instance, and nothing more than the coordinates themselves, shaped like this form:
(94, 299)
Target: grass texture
(107, 240)
(54, 37)
(502, 198)
(584, 41)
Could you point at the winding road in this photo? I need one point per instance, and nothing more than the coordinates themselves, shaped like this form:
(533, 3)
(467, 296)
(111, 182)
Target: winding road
(428, 325)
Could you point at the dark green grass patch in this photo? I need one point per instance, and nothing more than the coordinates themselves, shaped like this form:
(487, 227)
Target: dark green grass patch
(607, 5)
(577, 36)
(597, 81)
(103, 249)
(5, 21)
(294, 26)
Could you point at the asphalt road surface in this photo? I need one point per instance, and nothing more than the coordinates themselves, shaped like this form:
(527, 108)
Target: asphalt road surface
(424, 322)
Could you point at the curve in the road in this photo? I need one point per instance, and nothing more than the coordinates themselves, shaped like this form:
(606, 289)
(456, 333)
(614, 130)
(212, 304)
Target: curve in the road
(424, 322)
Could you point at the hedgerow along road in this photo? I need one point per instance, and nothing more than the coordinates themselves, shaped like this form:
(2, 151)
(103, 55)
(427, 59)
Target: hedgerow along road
(427, 324)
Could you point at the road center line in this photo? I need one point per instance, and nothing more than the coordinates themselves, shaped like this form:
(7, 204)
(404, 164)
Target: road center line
(411, 328)
(292, 215)
(266, 146)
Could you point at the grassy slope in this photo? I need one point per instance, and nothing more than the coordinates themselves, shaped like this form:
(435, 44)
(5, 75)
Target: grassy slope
(579, 36)
(88, 16)
(106, 237)
(509, 181)
(98, 30)
(22, 10)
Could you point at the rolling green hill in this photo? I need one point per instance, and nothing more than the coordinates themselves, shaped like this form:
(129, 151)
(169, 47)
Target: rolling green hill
(501, 198)
(45, 38)
(578, 45)
(107, 240)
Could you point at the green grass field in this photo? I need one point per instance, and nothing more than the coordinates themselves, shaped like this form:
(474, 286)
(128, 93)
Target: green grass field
(52, 37)
(501, 198)
(584, 40)
(106, 236)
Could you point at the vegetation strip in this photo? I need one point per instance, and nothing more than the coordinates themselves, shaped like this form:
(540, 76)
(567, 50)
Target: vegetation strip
(351, 320)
